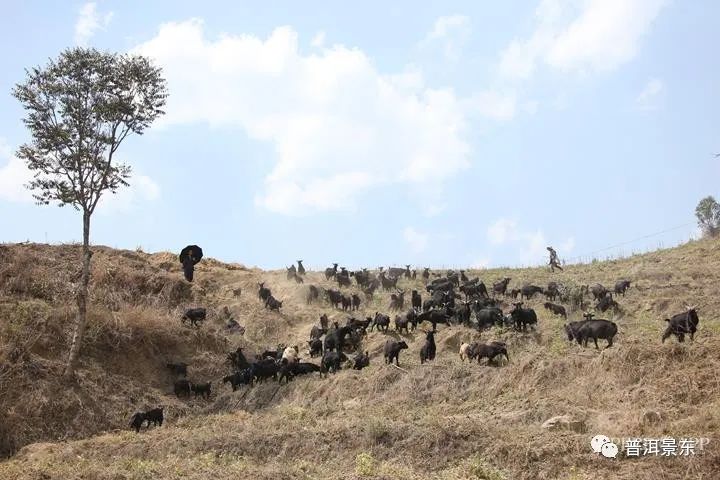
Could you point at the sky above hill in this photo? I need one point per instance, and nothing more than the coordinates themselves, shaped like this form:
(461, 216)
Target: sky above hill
(458, 133)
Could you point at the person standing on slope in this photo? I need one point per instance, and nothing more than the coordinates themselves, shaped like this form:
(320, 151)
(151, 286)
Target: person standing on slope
(554, 262)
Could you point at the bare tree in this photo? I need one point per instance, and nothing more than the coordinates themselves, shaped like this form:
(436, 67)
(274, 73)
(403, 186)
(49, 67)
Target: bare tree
(79, 109)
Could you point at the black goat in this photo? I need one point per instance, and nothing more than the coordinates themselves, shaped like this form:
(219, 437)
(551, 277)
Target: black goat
(392, 351)
(488, 316)
(681, 324)
(292, 370)
(397, 302)
(243, 377)
(401, 323)
(331, 272)
(346, 303)
(522, 317)
(584, 330)
(463, 313)
(552, 291)
(264, 369)
(598, 291)
(324, 321)
(182, 387)
(427, 352)
(490, 351)
(335, 339)
(499, 288)
(155, 416)
(361, 361)
(388, 283)
(360, 326)
(315, 347)
(556, 309)
(381, 321)
(317, 332)
(416, 300)
(273, 304)
(263, 292)
(435, 317)
(369, 291)
(343, 280)
(606, 303)
(355, 302)
(137, 421)
(202, 389)
(312, 295)
(528, 291)
(194, 316)
(237, 359)
(334, 297)
(621, 287)
(331, 362)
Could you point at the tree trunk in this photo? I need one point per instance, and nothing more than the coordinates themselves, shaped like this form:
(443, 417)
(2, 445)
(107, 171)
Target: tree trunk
(82, 297)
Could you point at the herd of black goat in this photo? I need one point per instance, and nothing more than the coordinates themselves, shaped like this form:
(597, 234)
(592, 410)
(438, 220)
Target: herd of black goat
(451, 299)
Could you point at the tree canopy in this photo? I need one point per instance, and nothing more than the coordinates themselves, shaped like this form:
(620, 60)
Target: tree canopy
(708, 215)
(80, 108)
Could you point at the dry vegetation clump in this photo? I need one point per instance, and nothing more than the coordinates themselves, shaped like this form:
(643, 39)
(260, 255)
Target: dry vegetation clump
(443, 420)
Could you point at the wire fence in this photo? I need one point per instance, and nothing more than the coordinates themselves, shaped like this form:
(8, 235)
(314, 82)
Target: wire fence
(593, 255)
(613, 252)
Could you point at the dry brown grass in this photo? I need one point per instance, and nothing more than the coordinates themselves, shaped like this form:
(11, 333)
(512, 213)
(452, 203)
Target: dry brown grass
(447, 420)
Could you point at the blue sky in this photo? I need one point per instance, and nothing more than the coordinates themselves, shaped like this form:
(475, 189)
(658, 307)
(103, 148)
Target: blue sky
(462, 133)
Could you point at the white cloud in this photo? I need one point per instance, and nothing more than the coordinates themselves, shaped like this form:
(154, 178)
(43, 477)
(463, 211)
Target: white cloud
(535, 246)
(14, 175)
(338, 126)
(581, 36)
(651, 95)
(502, 231)
(567, 246)
(417, 241)
(518, 59)
(561, 101)
(451, 32)
(446, 25)
(529, 245)
(531, 107)
(492, 104)
(142, 189)
(89, 22)
(318, 40)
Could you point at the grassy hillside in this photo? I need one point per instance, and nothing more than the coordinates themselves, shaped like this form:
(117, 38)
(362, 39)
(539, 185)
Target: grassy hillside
(445, 420)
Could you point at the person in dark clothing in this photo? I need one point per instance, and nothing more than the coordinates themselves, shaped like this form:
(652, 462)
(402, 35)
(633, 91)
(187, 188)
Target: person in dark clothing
(189, 257)
(188, 268)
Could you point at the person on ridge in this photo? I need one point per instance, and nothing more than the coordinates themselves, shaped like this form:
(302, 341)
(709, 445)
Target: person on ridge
(554, 262)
